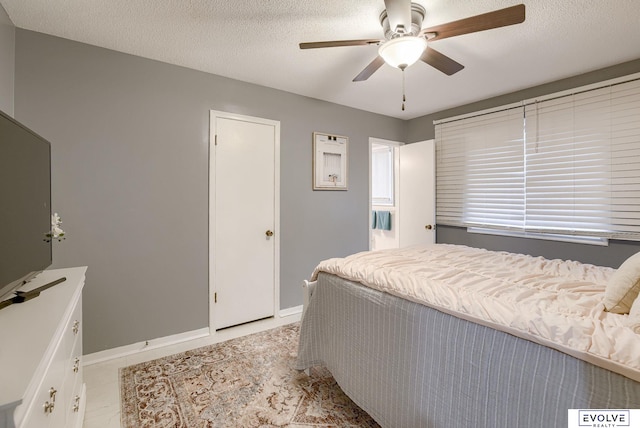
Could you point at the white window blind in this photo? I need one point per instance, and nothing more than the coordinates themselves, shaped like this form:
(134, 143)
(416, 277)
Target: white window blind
(579, 172)
(568, 165)
(625, 161)
(480, 171)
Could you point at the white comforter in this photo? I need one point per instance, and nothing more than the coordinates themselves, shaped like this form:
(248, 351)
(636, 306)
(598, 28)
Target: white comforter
(552, 302)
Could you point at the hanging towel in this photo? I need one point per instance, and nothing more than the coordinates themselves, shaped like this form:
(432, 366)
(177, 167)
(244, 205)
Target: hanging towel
(373, 219)
(383, 220)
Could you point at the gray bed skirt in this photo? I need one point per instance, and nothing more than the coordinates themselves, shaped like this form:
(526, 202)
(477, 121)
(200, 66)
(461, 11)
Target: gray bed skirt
(412, 366)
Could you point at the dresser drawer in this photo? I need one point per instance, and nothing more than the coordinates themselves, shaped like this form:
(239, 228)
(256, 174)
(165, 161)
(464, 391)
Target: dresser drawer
(74, 383)
(47, 408)
(73, 331)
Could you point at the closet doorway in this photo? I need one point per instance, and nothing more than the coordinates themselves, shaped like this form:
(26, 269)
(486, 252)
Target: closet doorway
(243, 219)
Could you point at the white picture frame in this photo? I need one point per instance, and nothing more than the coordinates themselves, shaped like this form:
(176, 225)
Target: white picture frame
(330, 161)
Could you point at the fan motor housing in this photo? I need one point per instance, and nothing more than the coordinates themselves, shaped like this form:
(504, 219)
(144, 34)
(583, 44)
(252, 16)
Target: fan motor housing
(417, 16)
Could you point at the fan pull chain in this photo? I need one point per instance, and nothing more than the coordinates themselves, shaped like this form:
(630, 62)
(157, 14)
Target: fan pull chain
(404, 97)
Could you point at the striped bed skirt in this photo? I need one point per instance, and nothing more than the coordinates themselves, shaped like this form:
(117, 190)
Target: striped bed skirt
(412, 366)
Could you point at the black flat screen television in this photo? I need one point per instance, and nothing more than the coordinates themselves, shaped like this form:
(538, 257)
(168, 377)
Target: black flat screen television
(25, 204)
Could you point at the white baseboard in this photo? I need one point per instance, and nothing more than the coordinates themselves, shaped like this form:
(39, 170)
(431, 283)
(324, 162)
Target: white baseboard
(290, 311)
(123, 351)
(284, 316)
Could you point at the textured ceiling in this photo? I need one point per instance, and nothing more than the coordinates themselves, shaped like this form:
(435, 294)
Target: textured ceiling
(257, 41)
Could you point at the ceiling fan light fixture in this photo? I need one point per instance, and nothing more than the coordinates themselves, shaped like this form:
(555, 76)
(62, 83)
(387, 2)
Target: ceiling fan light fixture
(402, 52)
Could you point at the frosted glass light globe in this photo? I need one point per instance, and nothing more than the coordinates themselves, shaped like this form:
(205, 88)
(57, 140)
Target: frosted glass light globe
(402, 52)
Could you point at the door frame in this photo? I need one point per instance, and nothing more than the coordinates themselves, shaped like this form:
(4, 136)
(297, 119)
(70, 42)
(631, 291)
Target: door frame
(213, 115)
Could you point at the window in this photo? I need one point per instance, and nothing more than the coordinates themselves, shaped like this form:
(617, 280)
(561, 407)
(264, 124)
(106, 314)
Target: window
(382, 174)
(568, 164)
(480, 171)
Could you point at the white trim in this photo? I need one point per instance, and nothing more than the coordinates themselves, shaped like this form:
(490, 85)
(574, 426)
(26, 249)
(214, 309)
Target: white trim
(384, 142)
(290, 311)
(205, 336)
(135, 348)
(276, 202)
(213, 114)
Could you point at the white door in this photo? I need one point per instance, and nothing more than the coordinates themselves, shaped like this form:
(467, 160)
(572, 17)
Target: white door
(416, 199)
(243, 218)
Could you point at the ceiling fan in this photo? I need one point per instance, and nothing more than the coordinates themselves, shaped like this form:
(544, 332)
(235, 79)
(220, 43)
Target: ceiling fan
(405, 41)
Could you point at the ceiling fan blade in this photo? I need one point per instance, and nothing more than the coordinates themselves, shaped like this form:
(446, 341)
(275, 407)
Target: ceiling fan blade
(399, 14)
(499, 18)
(369, 69)
(441, 62)
(336, 43)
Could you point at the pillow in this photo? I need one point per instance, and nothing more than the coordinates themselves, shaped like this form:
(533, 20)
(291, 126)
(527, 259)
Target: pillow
(623, 286)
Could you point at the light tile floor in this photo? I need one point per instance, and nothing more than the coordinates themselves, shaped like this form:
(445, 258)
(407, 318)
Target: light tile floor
(103, 384)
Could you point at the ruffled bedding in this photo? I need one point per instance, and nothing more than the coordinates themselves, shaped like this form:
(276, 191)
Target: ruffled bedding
(556, 303)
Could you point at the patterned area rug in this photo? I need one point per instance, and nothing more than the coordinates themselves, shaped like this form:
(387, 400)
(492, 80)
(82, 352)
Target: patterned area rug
(244, 382)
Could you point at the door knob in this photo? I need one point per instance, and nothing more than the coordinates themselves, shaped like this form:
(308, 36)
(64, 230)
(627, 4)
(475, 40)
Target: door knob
(269, 233)
(428, 227)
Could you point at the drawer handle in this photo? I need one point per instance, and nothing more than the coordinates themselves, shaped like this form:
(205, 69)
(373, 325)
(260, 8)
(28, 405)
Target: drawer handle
(76, 365)
(48, 407)
(76, 403)
(76, 327)
(52, 394)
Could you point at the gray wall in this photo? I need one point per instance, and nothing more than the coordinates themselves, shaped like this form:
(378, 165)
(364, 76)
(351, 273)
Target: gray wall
(130, 173)
(422, 129)
(613, 255)
(130, 180)
(7, 62)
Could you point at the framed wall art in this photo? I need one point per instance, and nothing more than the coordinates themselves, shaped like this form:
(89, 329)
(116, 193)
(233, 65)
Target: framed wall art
(329, 161)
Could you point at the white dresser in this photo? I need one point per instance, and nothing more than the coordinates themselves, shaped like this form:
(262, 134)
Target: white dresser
(41, 355)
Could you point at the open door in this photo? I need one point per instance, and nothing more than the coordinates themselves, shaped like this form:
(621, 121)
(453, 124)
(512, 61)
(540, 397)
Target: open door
(417, 190)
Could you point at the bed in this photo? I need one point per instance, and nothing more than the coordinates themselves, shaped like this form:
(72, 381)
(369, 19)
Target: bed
(453, 336)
